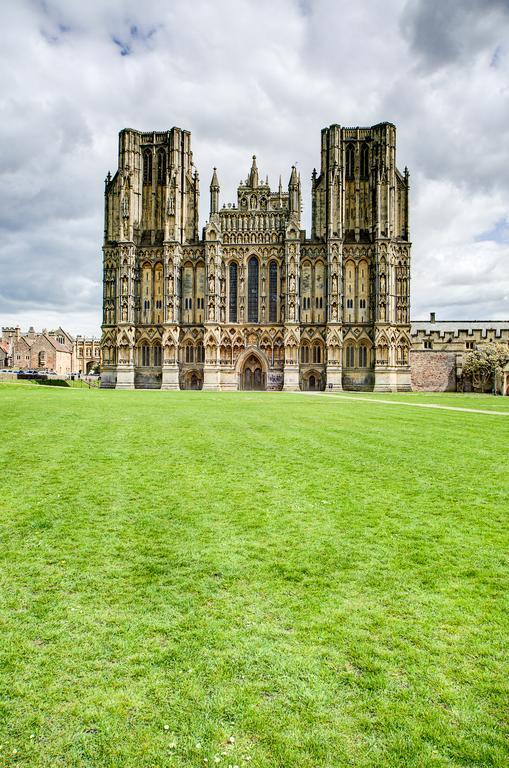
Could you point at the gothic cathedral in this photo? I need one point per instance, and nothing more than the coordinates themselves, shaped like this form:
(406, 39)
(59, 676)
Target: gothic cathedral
(253, 303)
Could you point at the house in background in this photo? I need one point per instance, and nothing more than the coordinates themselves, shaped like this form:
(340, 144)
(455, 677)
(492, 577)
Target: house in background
(53, 350)
(439, 347)
(87, 354)
(4, 354)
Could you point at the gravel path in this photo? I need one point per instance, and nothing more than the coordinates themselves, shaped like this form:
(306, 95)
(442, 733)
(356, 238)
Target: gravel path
(413, 405)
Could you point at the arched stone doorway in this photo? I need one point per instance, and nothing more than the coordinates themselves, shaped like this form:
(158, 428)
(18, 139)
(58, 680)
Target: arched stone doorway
(192, 380)
(253, 376)
(312, 381)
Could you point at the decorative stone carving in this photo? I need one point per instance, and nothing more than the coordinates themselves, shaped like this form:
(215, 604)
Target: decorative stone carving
(313, 285)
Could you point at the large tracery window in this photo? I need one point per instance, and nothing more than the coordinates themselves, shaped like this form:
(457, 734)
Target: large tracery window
(252, 290)
(147, 167)
(273, 292)
(233, 293)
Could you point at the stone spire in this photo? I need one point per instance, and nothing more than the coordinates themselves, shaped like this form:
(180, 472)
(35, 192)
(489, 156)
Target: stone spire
(253, 175)
(294, 191)
(214, 194)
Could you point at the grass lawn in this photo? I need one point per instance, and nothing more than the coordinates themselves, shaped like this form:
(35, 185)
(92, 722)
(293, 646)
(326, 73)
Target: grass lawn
(248, 579)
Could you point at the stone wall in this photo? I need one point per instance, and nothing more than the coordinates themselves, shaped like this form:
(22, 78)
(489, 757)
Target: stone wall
(433, 371)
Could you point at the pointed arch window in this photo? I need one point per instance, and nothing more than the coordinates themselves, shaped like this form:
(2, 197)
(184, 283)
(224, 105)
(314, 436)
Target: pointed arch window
(147, 167)
(273, 292)
(363, 356)
(349, 161)
(317, 354)
(157, 355)
(233, 292)
(252, 290)
(402, 354)
(382, 353)
(161, 167)
(364, 161)
(350, 356)
(304, 354)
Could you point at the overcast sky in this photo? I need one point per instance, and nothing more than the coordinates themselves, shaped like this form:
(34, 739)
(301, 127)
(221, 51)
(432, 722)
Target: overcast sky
(251, 77)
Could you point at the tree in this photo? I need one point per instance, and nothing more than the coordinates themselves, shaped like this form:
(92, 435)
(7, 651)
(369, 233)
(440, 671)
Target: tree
(481, 364)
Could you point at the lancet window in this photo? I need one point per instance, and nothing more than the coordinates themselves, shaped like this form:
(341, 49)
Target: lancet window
(364, 161)
(273, 292)
(161, 167)
(233, 293)
(147, 167)
(252, 290)
(349, 161)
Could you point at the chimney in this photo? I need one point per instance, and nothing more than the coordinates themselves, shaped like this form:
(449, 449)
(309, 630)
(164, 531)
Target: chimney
(432, 317)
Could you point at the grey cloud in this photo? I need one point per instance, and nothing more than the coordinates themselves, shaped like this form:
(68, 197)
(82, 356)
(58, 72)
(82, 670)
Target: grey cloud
(441, 32)
(246, 78)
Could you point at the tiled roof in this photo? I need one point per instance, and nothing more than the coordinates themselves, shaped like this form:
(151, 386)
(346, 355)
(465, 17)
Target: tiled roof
(59, 347)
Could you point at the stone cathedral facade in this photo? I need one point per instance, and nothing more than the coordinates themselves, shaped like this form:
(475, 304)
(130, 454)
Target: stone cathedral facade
(253, 303)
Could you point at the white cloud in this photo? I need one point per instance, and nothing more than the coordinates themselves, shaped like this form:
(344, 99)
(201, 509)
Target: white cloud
(250, 77)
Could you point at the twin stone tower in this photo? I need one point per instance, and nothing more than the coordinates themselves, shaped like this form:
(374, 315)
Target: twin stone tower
(252, 303)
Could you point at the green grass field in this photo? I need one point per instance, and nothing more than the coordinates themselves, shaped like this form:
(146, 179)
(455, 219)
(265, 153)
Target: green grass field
(252, 579)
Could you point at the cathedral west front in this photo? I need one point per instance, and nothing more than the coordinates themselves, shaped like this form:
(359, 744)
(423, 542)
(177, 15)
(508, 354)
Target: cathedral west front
(251, 302)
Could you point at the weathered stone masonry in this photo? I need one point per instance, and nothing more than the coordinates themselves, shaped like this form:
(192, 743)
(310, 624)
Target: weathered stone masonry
(253, 303)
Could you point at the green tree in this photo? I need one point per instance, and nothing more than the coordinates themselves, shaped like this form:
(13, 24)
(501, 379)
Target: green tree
(482, 363)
